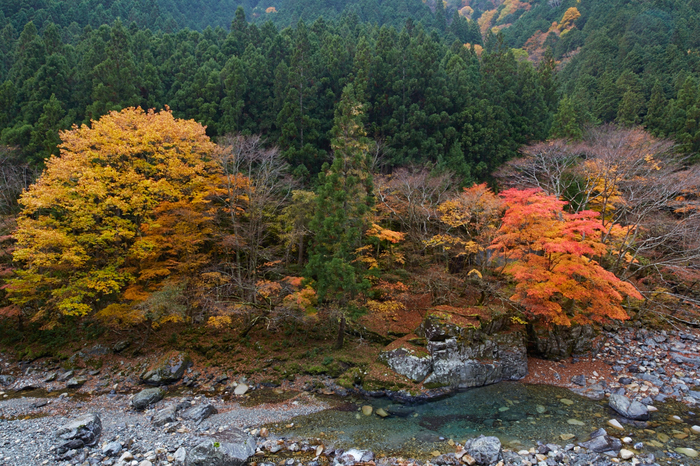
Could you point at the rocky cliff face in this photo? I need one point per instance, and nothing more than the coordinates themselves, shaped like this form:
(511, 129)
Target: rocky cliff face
(460, 357)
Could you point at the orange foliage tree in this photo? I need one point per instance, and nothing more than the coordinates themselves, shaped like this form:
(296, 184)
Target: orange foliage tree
(551, 255)
(122, 211)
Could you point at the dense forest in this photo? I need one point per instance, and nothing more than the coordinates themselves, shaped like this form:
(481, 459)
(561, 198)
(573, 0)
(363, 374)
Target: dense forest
(306, 157)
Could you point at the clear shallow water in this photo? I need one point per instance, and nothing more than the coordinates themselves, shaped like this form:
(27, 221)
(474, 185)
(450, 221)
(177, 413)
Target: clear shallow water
(516, 413)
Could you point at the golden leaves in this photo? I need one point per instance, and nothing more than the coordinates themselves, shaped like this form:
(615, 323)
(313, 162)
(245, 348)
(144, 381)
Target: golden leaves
(126, 198)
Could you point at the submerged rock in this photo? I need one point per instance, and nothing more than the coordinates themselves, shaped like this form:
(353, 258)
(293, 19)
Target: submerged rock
(629, 409)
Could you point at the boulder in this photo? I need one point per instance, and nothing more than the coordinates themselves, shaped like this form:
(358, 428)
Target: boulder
(165, 415)
(629, 409)
(112, 449)
(167, 370)
(484, 450)
(200, 412)
(560, 342)
(76, 382)
(80, 432)
(6, 380)
(147, 397)
(601, 442)
(231, 447)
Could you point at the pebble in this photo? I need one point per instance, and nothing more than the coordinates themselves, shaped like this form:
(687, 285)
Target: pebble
(616, 424)
(626, 454)
(689, 452)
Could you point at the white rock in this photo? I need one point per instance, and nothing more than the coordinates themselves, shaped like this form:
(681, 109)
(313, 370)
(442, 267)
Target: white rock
(652, 409)
(626, 440)
(127, 456)
(616, 424)
(626, 454)
(695, 429)
(241, 389)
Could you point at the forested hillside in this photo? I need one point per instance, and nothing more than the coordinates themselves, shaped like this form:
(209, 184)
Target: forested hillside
(284, 165)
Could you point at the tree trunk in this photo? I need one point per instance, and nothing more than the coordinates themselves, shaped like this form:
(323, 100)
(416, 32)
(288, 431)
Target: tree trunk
(300, 259)
(341, 333)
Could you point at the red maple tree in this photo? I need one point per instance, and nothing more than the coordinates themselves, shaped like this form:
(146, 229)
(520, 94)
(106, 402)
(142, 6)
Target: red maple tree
(551, 255)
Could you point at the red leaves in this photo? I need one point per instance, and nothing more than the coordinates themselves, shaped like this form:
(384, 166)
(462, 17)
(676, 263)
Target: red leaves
(550, 254)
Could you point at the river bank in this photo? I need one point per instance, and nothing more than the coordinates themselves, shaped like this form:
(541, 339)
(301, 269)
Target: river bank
(651, 367)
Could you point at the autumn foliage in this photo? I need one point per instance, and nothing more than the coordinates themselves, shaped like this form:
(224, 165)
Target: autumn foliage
(551, 254)
(120, 212)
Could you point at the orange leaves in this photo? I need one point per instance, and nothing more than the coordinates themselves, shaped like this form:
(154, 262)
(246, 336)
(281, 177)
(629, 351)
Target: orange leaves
(550, 254)
(303, 300)
(383, 234)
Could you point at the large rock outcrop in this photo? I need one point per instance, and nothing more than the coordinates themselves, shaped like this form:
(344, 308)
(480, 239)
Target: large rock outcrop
(461, 357)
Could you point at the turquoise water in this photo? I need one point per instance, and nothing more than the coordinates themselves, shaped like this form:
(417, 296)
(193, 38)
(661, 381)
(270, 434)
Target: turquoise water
(516, 413)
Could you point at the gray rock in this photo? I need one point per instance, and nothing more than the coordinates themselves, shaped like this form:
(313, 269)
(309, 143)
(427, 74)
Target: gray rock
(147, 397)
(121, 346)
(629, 409)
(477, 361)
(651, 378)
(167, 370)
(83, 431)
(485, 450)
(579, 380)
(597, 444)
(24, 385)
(165, 415)
(180, 456)
(6, 380)
(97, 350)
(403, 362)
(76, 382)
(66, 376)
(229, 448)
(200, 412)
(112, 449)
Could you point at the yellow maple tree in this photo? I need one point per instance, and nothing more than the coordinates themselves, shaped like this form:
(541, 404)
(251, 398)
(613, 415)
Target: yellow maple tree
(123, 206)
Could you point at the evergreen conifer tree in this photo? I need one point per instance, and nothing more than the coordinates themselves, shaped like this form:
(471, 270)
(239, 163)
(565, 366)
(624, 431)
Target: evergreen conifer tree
(344, 200)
